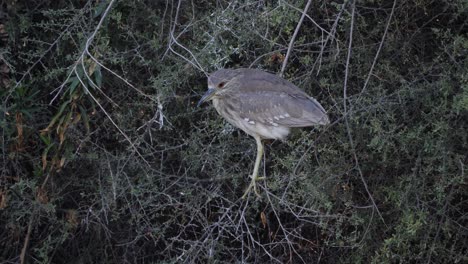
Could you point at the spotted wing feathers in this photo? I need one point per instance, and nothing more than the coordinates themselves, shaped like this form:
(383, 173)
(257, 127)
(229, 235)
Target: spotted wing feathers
(279, 108)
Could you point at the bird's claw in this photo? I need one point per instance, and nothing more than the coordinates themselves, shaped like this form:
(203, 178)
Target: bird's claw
(253, 184)
(257, 178)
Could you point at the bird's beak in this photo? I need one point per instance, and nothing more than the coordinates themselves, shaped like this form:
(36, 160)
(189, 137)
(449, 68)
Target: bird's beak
(207, 96)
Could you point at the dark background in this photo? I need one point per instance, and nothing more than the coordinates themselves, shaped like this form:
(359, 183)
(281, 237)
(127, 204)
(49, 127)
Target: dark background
(106, 159)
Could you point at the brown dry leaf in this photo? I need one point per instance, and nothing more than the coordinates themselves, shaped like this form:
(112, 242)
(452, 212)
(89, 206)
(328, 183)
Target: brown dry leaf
(92, 68)
(54, 162)
(4, 69)
(19, 129)
(6, 82)
(3, 33)
(62, 161)
(44, 131)
(72, 217)
(42, 196)
(3, 199)
(263, 218)
(59, 164)
(76, 119)
(61, 133)
(44, 161)
(276, 58)
(345, 187)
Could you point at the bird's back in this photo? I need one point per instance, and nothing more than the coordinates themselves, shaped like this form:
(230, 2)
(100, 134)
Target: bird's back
(269, 95)
(268, 105)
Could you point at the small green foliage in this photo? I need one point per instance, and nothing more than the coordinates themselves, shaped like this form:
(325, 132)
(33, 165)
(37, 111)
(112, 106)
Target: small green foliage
(106, 159)
(405, 245)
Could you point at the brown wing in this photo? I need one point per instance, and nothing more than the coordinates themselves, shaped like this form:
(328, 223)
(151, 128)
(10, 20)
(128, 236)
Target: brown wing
(278, 108)
(270, 99)
(248, 80)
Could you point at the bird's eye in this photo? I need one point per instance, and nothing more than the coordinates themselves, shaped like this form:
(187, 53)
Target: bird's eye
(221, 85)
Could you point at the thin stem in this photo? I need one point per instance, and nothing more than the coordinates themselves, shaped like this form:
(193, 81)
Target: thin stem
(345, 108)
(291, 43)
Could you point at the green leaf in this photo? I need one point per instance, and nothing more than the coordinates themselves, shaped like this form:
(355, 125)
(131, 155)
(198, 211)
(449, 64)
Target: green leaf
(85, 117)
(59, 113)
(98, 76)
(99, 9)
(73, 84)
(45, 139)
(27, 113)
(46, 150)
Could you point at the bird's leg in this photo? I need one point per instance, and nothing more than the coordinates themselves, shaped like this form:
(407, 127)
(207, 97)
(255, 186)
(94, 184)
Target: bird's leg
(253, 182)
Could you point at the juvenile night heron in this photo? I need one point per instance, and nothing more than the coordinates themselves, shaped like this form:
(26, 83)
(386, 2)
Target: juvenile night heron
(263, 105)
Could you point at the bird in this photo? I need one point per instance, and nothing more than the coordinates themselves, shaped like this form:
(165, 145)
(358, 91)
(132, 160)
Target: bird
(263, 105)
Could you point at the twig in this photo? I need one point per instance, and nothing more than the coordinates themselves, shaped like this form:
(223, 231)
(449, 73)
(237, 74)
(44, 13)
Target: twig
(331, 35)
(24, 250)
(378, 51)
(291, 43)
(173, 39)
(356, 160)
(52, 45)
(80, 61)
(112, 121)
(439, 225)
(310, 18)
(88, 43)
(121, 78)
(280, 50)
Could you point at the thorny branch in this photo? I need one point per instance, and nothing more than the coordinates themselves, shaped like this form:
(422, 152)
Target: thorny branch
(185, 205)
(173, 40)
(293, 38)
(374, 62)
(80, 62)
(345, 100)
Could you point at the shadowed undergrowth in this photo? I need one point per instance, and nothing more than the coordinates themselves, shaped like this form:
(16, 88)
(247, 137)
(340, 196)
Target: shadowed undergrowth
(106, 159)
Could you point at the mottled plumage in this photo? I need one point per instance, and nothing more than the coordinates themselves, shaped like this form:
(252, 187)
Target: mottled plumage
(262, 104)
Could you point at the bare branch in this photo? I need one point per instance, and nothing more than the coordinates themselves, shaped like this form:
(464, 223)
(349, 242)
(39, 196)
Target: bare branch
(378, 52)
(24, 250)
(291, 43)
(345, 100)
(51, 46)
(173, 39)
(331, 35)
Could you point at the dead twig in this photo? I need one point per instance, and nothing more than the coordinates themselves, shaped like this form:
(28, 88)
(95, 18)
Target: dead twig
(173, 40)
(378, 51)
(345, 108)
(331, 35)
(80, 61)
(296, 31)
(24, 250)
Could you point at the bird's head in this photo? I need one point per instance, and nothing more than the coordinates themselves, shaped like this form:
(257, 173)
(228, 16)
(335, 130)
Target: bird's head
(218, 82)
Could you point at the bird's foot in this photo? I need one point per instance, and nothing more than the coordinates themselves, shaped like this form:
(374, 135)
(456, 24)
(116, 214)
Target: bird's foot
(253, 184)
